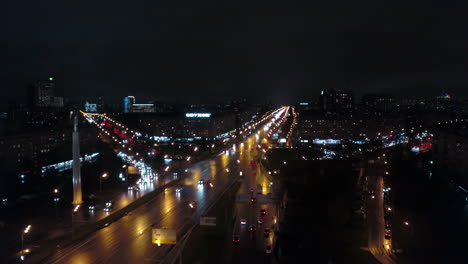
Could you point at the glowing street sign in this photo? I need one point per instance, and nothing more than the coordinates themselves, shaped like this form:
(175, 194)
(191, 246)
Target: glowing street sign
(199, 115)
(163, 236)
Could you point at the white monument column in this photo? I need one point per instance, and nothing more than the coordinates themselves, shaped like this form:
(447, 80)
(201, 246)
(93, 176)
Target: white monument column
(77, 195)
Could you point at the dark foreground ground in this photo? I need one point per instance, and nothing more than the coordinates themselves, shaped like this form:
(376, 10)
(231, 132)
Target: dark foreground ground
(437, 215)
(319, 223)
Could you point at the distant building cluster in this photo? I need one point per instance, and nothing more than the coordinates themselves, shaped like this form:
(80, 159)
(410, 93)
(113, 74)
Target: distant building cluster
(31, 150)
(335, 115)
(191, 122)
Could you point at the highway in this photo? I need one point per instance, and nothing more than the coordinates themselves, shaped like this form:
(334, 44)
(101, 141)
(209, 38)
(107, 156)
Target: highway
(252, 245)
(128, 240)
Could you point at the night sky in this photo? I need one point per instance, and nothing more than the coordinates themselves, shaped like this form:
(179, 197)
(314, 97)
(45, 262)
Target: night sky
(278, 50)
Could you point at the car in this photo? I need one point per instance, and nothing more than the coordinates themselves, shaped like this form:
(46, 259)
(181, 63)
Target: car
(253, 200)
(388, 236)
(178, 190)
(201, 181)
(268, 249)
(243, 222)
(266, 232)
(253, 228)
(192, 203)
(109, 206)
(235, 239)
(262, 212)
(260, 221)
(91, 207)
(388, 230)
(130, 188)
(251, 190)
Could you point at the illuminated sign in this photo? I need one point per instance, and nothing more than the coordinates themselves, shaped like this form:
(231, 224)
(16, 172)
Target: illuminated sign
(163, 236)
(327, 141)
(198, 115)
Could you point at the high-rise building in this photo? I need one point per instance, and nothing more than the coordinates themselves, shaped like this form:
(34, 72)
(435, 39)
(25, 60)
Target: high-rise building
(43, 95)
(44, 91)
(336, 101)
(377, 104)
(128, 102)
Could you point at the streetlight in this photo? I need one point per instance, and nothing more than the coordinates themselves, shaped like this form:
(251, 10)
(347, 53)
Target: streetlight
(73, 213)
(100, 181)
(56, 200)
(126, 172)
(26, 230)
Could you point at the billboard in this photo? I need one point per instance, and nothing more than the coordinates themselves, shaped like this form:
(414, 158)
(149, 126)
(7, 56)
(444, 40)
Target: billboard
(163, 236)
(133, 170)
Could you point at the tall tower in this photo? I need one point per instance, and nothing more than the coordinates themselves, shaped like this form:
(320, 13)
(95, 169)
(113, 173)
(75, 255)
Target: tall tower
(77, 195)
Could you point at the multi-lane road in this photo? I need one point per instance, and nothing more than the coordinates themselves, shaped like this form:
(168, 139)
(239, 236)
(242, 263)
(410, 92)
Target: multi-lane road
(128, 240)
(252, 245)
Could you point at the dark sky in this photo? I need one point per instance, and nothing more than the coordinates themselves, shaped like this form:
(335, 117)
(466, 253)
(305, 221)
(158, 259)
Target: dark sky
(278, 50)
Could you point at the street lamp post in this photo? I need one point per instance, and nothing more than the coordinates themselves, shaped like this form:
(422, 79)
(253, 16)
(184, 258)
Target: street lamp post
(126, 172)
(72, 220)
(56, 200)
(100, 181)
(22, 237)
